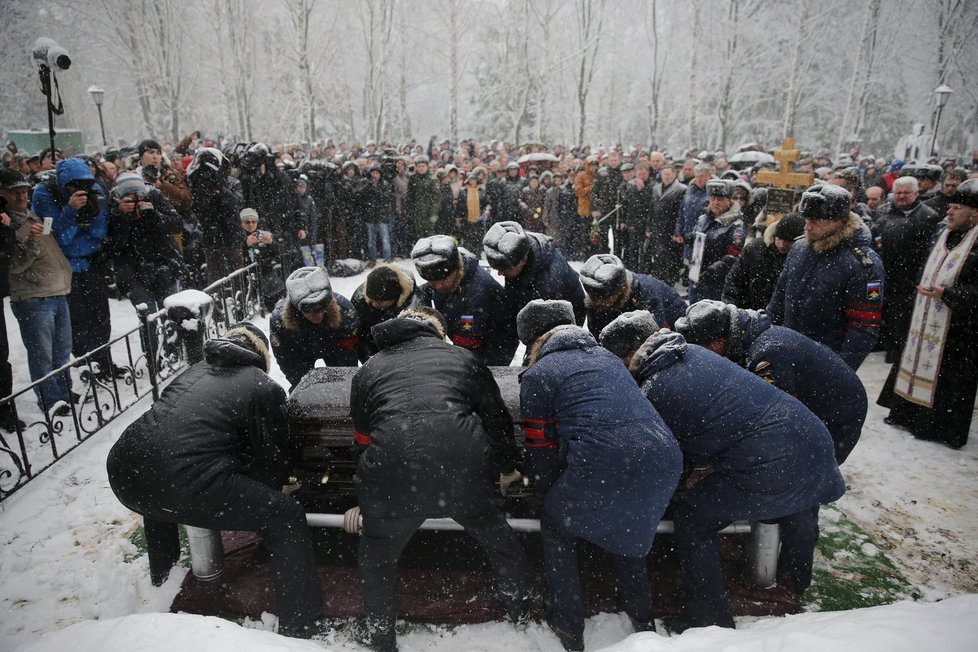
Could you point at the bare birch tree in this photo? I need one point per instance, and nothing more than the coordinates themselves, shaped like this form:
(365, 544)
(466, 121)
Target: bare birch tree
(590, 22)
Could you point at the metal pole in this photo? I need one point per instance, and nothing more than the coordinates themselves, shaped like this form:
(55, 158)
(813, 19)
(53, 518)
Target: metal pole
(937, 125)
(102, 125)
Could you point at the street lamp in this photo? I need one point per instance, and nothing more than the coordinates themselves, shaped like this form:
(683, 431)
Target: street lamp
(943, 92)
(98, 94)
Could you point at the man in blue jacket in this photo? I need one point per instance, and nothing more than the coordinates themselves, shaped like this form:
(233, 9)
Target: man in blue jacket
(601, 458)
(470, 299)
(721, 229)
(533, 268)
(790, 361)
(831, 287)
(612, 290)
(756, 453)
(79, 210)
(312, 323)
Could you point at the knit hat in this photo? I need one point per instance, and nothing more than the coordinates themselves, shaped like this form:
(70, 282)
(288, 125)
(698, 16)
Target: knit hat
(790, 227)
(435, 257)
(148, 144)
(705, 321)
(627, 332)
(248, 214)
(309, 289)
(506, 244)
(603, 275)
(127, 183)
(383, 284)
(540, 316)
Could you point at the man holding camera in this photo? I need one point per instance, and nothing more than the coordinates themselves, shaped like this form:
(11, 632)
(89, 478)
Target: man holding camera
(148, 265)
(80, 222)
(40, 279)
(160, 174)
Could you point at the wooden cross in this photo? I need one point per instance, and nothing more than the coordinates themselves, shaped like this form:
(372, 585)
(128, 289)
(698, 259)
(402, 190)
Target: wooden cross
(784, 177)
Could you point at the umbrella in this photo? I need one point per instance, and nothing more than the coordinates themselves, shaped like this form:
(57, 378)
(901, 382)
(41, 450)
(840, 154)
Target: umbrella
(537, 156)
(742, 160)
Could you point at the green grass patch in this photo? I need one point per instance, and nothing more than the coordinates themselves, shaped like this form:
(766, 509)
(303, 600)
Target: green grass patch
(138, 539)
(850, 570)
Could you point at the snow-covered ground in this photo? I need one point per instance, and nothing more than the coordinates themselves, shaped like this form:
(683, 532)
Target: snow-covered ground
(67, 580)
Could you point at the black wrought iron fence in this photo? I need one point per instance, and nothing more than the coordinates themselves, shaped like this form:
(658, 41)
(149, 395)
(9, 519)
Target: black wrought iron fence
(144, 360)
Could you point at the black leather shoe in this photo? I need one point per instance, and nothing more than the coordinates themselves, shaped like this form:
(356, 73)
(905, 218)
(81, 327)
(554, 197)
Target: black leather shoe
(7, 420)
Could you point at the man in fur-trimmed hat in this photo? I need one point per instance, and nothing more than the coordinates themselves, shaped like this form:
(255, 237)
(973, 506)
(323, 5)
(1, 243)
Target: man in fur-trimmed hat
(432, 435)
(600, 457)
(312, 323)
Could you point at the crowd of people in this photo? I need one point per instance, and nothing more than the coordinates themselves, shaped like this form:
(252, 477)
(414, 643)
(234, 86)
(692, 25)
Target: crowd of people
(708, 361)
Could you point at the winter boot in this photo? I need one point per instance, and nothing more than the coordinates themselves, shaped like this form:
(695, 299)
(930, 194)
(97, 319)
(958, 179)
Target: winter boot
(8, 420)
(570, 642)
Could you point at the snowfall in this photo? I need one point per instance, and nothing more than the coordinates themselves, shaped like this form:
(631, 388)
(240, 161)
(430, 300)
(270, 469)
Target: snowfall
(69, 579)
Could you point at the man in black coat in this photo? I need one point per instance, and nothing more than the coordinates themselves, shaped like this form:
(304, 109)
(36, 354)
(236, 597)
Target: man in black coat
(666, 255)
(636, 200)
(903, 231)
(432, 435)
(750, 282)
(217, 206)
(272, 194)
(214, 452)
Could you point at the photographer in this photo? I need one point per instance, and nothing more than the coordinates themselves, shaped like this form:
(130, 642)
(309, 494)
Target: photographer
(158, 172)
(148, 265)
(80, 221)
(271, 192)
(217, 204)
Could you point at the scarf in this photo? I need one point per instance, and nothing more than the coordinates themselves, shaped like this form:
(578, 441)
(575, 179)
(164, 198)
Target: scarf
(472, 210)
(920, 363)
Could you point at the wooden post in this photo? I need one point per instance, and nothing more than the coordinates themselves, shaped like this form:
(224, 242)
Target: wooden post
(781, 197)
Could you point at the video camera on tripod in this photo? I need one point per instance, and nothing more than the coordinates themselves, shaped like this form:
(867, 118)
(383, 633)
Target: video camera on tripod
(50, 57)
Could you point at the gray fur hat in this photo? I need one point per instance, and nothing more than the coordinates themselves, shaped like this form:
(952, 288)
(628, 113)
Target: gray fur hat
(309, 289)
(603, 275)
(506, 244)
(540, 316)
(627, 332)
(705, 321)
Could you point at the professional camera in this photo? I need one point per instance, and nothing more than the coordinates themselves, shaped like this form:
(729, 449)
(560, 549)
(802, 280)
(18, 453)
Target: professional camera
(252, 159)
(48, 53)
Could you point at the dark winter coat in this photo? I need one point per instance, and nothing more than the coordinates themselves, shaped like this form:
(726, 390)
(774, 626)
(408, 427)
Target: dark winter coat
(273, 195)
(267, 255)
(805, 369)
(143, 248)
(369, 316)
(545, 276)
(222, 416)
(750, 282)
(217, 210)
(832, 291)
(666, 201)
(531, 205)
(637, 206)
(604, 195)
(722, 245)
(376, 202)
(79, 232)
(476, 313)
(757, 439)
(423, 203)
(298, 343)
(642, 293)
(597, 451)
(309, 219)
(430, 425)
(693, 205)
(903, 240)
